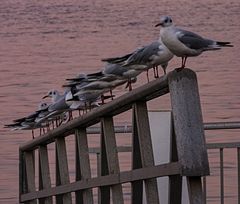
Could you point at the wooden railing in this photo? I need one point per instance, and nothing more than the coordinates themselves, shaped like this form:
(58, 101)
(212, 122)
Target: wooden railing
(188, 151)
(218, 195)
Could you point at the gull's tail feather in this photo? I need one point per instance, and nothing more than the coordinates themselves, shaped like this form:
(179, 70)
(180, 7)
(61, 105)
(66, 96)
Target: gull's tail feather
(12, 126)
(75, 79)
(71, 84)
(224, 44)
(96, 74)
(8, 126)
(117, 60)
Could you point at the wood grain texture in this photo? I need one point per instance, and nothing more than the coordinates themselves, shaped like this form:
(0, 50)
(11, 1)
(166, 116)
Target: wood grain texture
(44, 173)
(78, 194)
(122, 177)
(136, 186)
(145, 145)
(112, 157)
(188, 123)
(175, 181)
(82, 145)
(30, 173)
(63, 168)
(104, 191)
(195, 190)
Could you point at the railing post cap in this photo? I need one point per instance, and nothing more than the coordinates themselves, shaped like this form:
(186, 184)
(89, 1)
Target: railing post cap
(180, 73)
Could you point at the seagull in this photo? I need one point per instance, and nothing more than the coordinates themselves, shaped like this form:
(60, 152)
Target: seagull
(90, 87)
(58, 106)
(81, 102)
(54, 95)
(29, 122)
(184, 43)
(146, 57)
(122, 73)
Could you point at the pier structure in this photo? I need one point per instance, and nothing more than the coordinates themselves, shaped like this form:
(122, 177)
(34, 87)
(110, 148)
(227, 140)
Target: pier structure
(188, 152)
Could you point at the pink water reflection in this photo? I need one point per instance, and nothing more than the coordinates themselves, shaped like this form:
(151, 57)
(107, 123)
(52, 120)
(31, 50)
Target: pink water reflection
(42, 43)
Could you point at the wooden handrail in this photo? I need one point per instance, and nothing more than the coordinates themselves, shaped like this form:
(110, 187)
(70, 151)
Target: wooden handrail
(121, 104)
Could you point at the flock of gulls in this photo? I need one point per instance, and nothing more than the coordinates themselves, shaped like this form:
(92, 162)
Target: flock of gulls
(87, 91)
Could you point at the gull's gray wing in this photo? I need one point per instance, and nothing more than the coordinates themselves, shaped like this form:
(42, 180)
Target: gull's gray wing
(114, 69)
(193, 41)
(144, 54)
(59, 105)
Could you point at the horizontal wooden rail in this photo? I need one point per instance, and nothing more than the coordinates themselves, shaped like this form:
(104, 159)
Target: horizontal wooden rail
(223, 145)
(121, 104)
(123, 177)
(96, 150)
(127, 128)
(222, 125)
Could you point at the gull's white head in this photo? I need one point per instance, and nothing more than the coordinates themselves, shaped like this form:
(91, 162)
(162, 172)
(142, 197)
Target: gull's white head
(42, 106)
(165, 21)
(54, 94)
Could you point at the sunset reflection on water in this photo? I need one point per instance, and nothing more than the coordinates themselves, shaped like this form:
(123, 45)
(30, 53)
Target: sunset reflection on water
(44, 42)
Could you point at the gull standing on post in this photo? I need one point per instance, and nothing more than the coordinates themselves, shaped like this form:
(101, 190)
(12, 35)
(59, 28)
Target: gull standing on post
(184, 43)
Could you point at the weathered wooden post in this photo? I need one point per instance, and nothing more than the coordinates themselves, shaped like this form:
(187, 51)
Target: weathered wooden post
(189, 131)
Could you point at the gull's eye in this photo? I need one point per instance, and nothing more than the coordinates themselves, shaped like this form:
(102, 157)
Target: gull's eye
(54, 93)
(166, 20)
(50, 93)
(170, 20)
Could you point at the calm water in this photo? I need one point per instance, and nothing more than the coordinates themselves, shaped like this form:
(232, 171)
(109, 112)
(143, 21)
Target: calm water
(44, 42)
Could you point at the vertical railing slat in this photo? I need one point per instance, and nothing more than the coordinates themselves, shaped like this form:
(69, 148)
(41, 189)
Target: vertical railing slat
(204, 190)
(82, 145)
(78, 194)
(104, 196)
(22, 175)
(221, 176)
(63, 168)
(59, 198)
(112, 157)
(44, 174)
(238, 172)
(175, 181)
(30, 173)
(145, 144)
(195, 189)
(137, 186)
